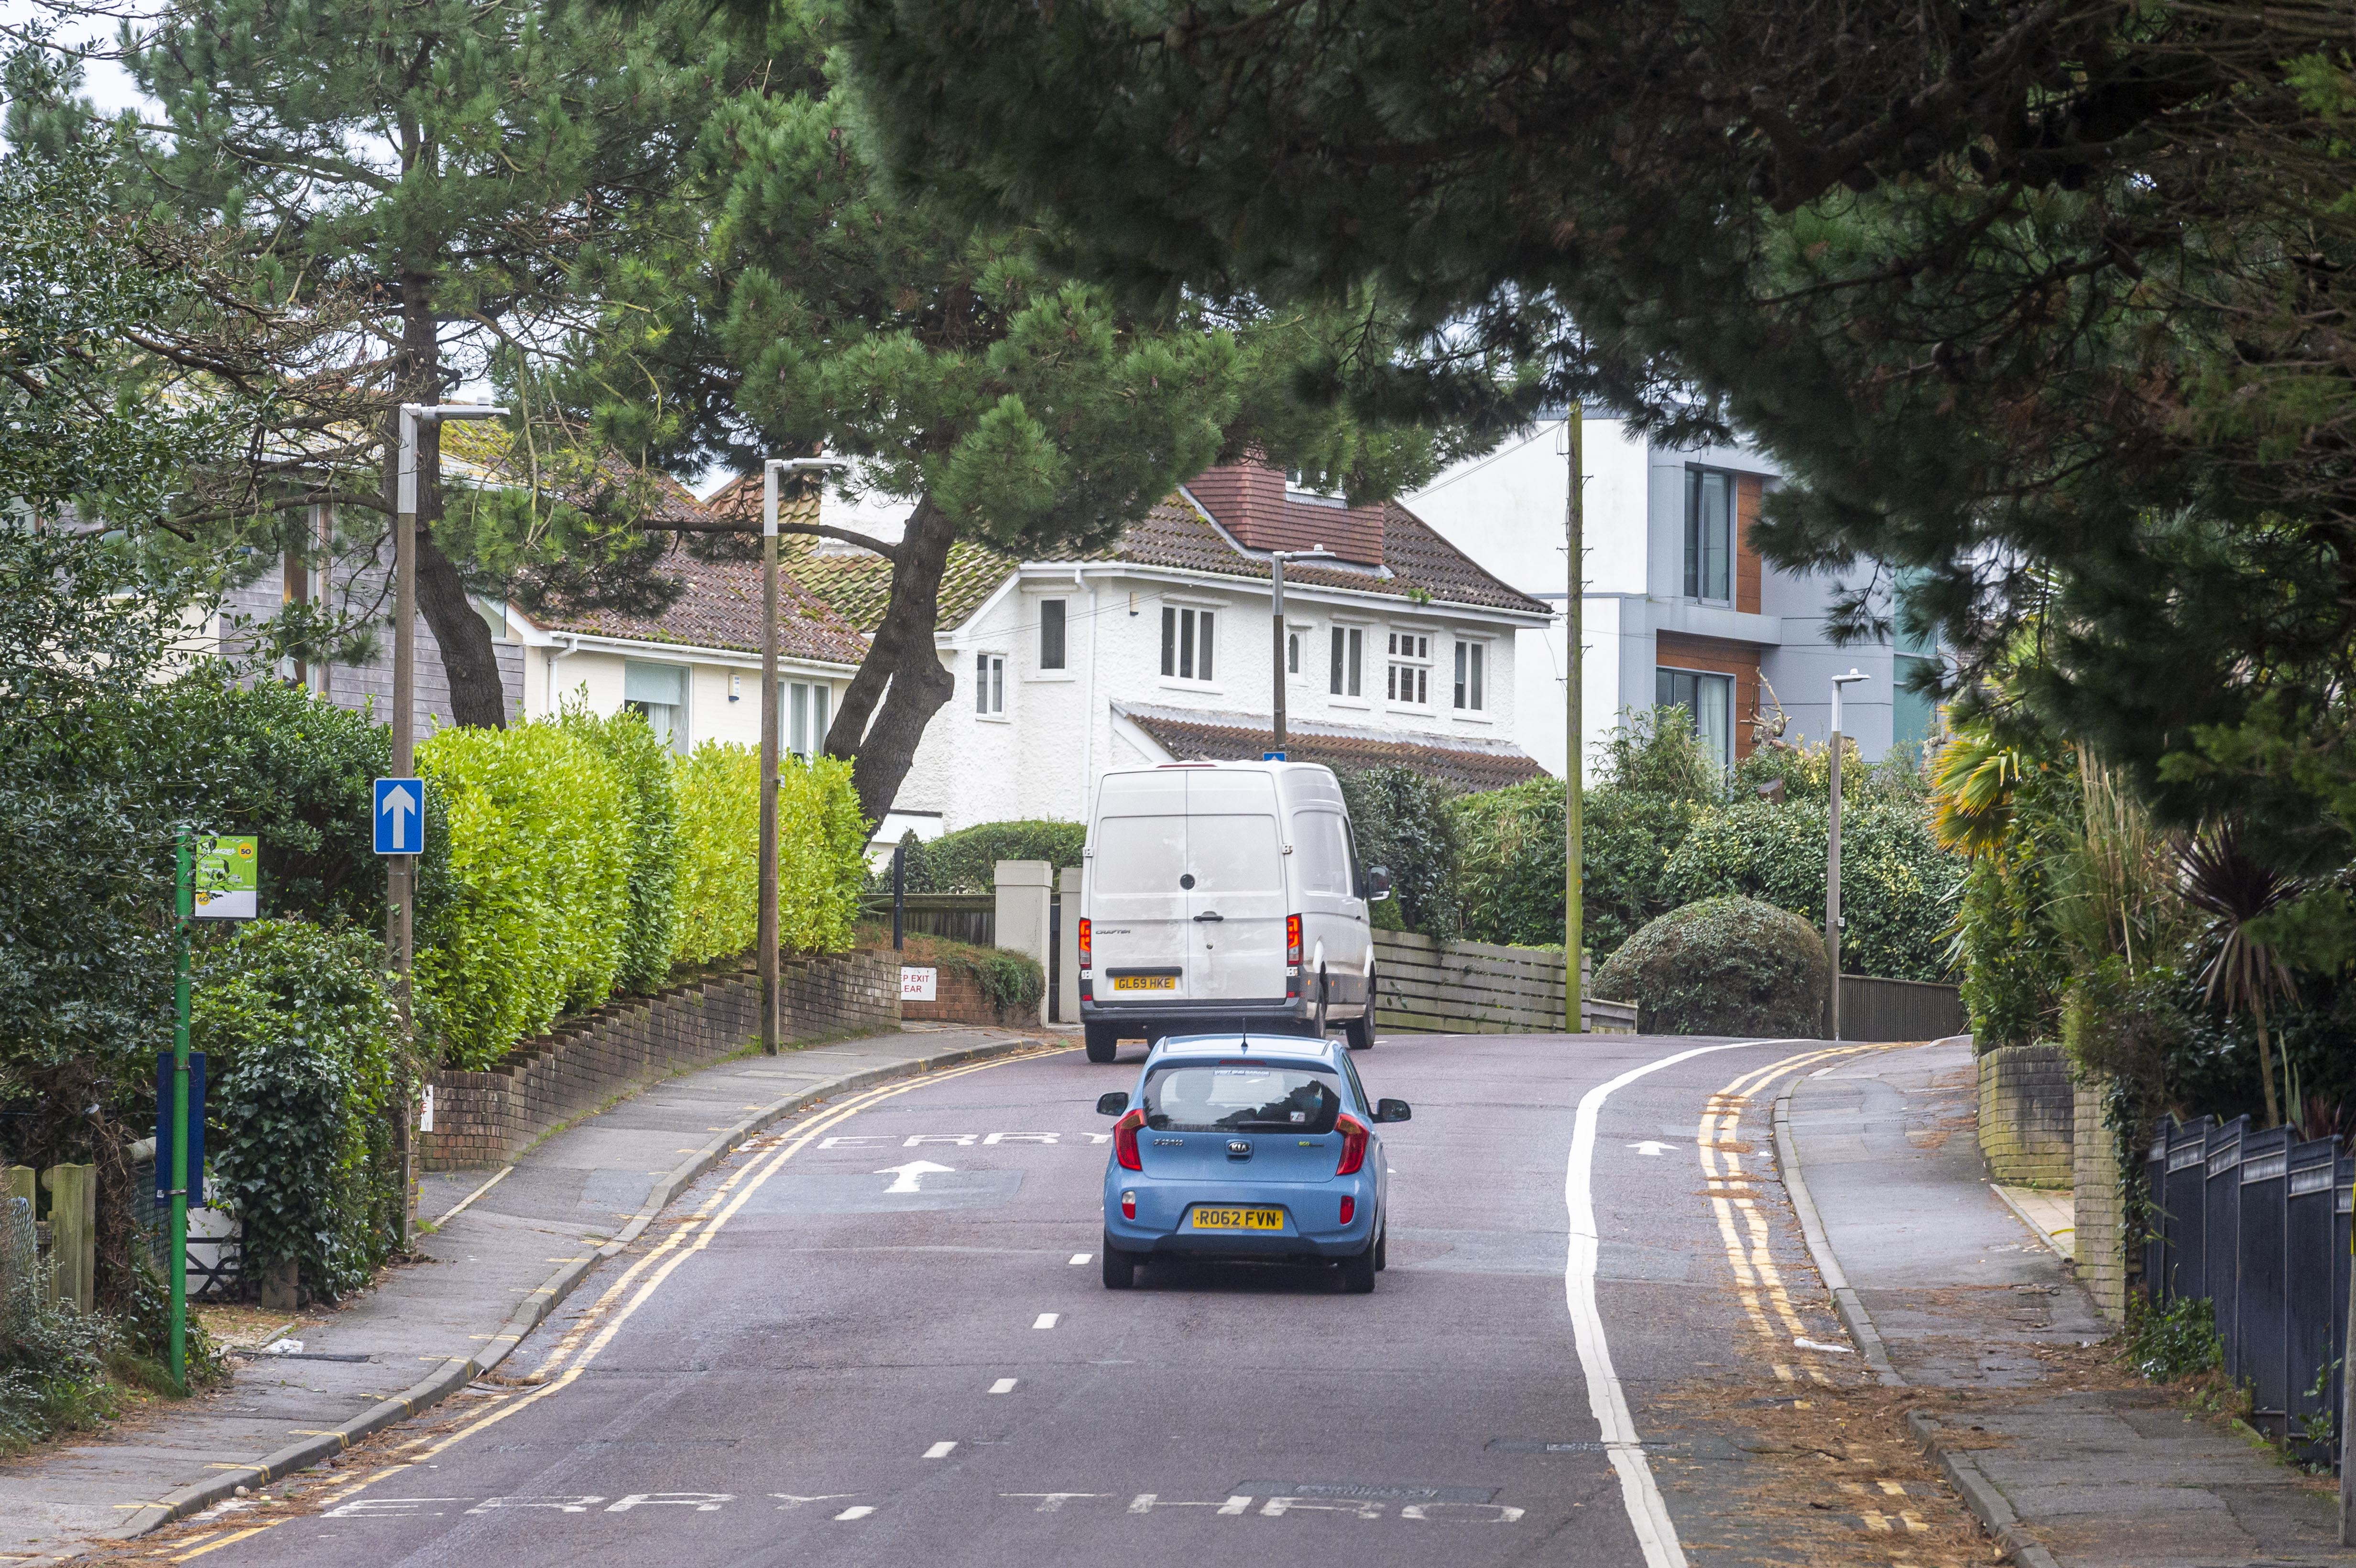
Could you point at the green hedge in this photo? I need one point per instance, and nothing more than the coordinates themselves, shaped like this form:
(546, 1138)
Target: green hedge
(966, 861)
(540, 869)
(1725, 966)
(1401, 822)
(642, 765)
(821, 853)
(301, 1046)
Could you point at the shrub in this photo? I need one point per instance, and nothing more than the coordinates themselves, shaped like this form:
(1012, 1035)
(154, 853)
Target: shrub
(821, 848)
(300, 1038)
(1899, 888)
(643, 765)
(540, 868)
(1401, 822)
(1725, 966)
(966, 861)
(2179, 1340)
(1511, 862)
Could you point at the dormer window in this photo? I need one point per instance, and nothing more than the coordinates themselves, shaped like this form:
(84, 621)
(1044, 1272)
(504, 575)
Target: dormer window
(1294, 490)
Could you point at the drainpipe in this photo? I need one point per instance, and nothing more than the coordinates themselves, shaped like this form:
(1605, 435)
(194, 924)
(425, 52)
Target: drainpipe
(571, 646)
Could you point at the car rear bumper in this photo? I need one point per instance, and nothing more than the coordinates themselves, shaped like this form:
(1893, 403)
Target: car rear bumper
(1206, 1015)
(1311, 1211)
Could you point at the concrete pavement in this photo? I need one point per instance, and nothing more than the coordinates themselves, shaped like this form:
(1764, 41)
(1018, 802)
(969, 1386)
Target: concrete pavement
(523, 1239)
(1969, 1300)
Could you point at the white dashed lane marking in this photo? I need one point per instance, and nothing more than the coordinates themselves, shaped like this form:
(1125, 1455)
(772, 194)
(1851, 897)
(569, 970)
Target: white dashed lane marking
(940, 1450)
(1003, 1385)
(1046, 1321)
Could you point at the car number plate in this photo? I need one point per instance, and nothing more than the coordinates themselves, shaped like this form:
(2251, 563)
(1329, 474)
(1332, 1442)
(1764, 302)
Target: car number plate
(1145, 982)
(1238, 1220)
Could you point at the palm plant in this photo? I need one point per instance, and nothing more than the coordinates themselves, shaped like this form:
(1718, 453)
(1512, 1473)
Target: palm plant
(2234, 888)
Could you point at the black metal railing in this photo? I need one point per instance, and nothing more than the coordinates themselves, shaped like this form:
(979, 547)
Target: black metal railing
(2257, 1223)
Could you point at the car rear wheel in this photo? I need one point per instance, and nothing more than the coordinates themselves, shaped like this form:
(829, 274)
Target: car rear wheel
(1360, 1031)
(1119, 1268)
(1382, 1249)
(1103, 1041)
(1358, 1273)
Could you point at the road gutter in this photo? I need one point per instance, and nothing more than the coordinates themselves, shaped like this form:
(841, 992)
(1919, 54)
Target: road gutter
(1962, 1471)
(457, 1371)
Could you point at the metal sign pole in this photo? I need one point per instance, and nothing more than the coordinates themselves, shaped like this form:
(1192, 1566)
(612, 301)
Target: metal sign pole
(184, 903)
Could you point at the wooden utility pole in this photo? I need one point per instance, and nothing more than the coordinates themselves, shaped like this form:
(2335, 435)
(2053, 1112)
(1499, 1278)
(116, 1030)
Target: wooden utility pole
(1574, 783)
(765, 942)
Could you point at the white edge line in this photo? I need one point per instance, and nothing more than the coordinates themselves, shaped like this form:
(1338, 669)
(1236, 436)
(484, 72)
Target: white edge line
(1648, 1514)
(460, 1207)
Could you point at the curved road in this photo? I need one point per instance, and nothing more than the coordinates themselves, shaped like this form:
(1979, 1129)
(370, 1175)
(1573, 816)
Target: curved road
(1599, 1341)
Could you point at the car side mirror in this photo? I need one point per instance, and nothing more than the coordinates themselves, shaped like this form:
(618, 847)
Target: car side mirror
(1394, 1110)
(1113, 1104)
(1378, 883)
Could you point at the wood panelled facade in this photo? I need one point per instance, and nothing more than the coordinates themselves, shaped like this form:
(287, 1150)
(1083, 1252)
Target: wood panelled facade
(1720, 656)
(1747, 489)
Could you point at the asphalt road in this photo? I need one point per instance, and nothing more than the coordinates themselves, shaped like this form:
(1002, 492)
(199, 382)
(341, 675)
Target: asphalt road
(827, 1359)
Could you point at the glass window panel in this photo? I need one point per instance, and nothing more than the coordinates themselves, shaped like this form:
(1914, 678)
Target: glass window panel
(1333, 683)
(1187, 645)
(1168, 641)
(1051, 634)
(1480, 654)
(658, 682)
(1241, 1099)
(1203, 665)
(798, 719)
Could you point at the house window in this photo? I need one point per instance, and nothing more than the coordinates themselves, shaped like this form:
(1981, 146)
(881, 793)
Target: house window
(1409, 679)
(658, 693)
(1708, 700)
(1292, 653)
(1470, 677)
(989, 683)
(1186, 643)
(806, 717)
(1051, 634)
(1349, 657)
(1710, 534)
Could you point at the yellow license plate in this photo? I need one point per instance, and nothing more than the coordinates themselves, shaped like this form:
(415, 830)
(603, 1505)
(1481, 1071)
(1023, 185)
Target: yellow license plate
(1238, 1220)
(1145, 982)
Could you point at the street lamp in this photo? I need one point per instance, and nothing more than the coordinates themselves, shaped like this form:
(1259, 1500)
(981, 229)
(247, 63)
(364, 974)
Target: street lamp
(1832, 859)
(767, 920)
(1574, 754)
(400, 871)
(1277, 558)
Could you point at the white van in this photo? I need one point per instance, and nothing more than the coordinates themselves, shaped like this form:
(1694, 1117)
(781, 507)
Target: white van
(1224, 895)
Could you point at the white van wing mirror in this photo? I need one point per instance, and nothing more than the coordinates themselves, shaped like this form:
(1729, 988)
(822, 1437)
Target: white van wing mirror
(1378, 883)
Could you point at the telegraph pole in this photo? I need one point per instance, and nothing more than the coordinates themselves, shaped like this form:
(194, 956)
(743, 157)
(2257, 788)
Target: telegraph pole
(1276, 560)
(1574, 783)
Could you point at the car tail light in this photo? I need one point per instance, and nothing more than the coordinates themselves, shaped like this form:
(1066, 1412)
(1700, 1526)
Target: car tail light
(1349, 1210)
(1128, 1205)
(1292, 939)
(1353, 1145)
(1088, 944)
(1124, 1140)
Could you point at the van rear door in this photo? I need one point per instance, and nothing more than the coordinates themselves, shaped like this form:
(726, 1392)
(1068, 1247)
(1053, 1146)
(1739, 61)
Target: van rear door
(1235, 853)
(1140, 928)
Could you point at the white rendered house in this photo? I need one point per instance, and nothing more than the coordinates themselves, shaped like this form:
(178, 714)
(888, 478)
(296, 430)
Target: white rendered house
(1679, 607)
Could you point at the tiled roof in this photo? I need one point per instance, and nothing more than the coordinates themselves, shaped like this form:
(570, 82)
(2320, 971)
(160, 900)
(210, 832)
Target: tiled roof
(857, 582)
(1190, 737)
(720, 607)
(1250, 501)
(481, 452)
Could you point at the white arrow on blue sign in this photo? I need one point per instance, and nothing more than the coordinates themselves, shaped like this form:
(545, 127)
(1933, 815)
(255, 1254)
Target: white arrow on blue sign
(399, 816)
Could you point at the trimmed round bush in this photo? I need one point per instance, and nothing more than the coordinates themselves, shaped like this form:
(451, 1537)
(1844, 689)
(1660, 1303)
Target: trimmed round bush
(1724, 966)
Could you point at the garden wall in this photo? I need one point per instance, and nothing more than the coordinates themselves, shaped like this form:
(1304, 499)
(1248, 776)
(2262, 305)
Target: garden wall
(486, 1118)
(958, 998)
(2099, 1204)
(2027, 1113)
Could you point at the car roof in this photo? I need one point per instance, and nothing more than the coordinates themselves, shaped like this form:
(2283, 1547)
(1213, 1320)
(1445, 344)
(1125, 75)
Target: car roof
(1275, 1047)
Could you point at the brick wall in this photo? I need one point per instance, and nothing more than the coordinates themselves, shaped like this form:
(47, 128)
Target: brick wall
(959, 999)
(2099, 1243)
(485, 1119)
(2027, 1114)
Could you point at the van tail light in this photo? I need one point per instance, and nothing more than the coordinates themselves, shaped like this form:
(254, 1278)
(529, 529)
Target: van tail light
(1124, 1140)
(1088, 944)
(1349, 1210)
(1292, 940)
(1129, 1207)
(1353, 1145)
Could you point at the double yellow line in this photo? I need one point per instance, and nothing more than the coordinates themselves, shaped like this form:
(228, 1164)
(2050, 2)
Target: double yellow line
(588, 1338)
(1741, 1228)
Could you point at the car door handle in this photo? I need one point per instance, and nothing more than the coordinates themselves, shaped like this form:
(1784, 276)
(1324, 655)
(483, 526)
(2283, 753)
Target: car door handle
(1210, 915)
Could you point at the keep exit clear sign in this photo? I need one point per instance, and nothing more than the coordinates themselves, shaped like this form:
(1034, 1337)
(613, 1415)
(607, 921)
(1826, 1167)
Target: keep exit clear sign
(919, 985)
(227, 884)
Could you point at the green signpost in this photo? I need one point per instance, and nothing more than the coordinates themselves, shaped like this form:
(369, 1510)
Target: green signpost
(216, 879)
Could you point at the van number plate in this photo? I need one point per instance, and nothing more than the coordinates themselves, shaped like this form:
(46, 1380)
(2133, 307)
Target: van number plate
(1145, 982)
(1239, 1219)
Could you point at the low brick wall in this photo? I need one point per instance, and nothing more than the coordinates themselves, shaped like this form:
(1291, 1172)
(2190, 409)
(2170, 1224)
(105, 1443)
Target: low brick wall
(485, 1119)
(959, 999)
(2099, 1204)
(2027, 1111)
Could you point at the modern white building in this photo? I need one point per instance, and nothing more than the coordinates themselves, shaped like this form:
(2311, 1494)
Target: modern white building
(1679, 607)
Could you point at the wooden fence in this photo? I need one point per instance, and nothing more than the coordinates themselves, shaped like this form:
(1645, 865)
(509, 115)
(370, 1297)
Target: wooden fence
(1900, 1009)
(1477, 988)
(960, 917)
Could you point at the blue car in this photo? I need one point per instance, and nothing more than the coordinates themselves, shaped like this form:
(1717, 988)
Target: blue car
(1246, 1147)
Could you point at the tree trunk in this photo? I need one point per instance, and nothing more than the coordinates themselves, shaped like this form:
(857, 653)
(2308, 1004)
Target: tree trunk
(2266, 1064)
(900, 683)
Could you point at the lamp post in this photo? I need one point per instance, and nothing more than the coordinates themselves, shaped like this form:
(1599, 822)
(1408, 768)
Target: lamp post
(400, 871)
(766, 938)
(1832, 860)
(1574, 750)
(1277, 558)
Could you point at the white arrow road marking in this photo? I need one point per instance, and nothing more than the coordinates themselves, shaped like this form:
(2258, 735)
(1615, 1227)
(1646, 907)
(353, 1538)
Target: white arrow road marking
(1652, 1147)
(398, 800)
(857, 1510)
(905, 1176)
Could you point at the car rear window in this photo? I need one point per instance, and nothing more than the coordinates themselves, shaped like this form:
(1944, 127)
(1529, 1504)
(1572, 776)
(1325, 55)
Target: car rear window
(1246, 1097)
